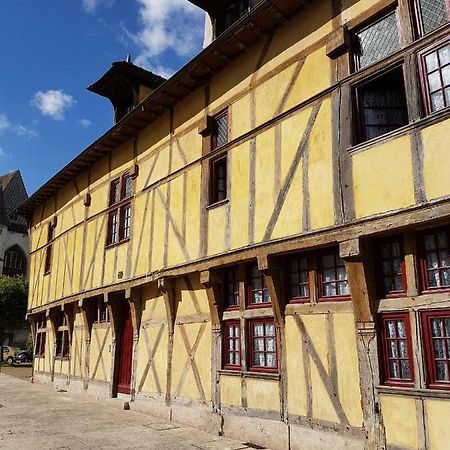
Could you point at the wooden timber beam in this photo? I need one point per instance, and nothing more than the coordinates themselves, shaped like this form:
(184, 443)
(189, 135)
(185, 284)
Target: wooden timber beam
(167, 288)
(213, 286)
(359, 271)
(86, 317)
(274, 282)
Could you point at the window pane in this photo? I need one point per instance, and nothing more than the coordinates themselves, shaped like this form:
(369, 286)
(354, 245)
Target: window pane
(403, 349)
(258, 344)
(127, 186)
(442, 373)
(439, 349)
(258, 329)
(447, 326)
(328, 261)
(271, 360)
(429, 242)
(393, 351)
(270, 345)
(437, 101)
(328, 275)
(329, 290)
(394, 368)
(342, 288)
(378, 40)
(406, 374)
(270, 329)
(434, 14)
(258, 359)
(437, 328)
(434, 81)
(401, 328)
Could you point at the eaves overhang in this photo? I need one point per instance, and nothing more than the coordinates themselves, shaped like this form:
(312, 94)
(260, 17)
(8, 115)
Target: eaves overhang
(255, 25)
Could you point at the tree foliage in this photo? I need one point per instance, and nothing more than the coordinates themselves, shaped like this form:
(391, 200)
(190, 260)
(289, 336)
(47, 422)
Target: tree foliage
(13, 304)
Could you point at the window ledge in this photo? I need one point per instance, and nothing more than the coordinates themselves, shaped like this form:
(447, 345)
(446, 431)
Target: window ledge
(413, 392)
(246, 374)
(430, 119)
(218, 204)
(110, 246)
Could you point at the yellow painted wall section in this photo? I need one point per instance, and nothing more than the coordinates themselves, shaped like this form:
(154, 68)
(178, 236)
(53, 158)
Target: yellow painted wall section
(77, 352)
(296, 386)
(436, 161)
(401, 429)
(264, 181)
(438, 413)
(263, 394)
(216, 229)
(240, 117)
(347, 366)
(320, 170)
(230, 390)
(100, 353)
(239, 163)
(192, 241)
(383, 178)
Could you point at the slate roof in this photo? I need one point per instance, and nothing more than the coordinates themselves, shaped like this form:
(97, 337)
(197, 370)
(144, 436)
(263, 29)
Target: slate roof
(12, 194)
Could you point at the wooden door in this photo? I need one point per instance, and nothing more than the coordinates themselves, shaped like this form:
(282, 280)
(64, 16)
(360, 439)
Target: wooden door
(125, 349)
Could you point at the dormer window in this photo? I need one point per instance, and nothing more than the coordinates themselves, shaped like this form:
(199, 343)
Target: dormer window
(231, 14)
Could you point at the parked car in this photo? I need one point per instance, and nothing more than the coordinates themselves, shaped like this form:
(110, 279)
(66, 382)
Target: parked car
(8, 354)
(22, 358)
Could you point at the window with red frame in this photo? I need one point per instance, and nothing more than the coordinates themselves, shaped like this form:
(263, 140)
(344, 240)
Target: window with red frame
(62, 337)
(219, 134)
(49, 249)
(232, 345)
(436, 259)
(397, 349)
(101, 314)
(333, 280)
(431, 14)
(41, 333)
(218, 190)
(435, 65)
(262, 345)
(231, 288)
(391, 267)
(258, 292)
(436, 327)
(298, 278)
(119, 219)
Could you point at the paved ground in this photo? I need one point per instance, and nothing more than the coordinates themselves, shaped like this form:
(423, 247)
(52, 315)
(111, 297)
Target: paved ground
(35, 417)
(24, 372)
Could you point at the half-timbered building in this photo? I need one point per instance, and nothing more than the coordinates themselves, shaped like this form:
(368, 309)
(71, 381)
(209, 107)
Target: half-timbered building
(259, 246)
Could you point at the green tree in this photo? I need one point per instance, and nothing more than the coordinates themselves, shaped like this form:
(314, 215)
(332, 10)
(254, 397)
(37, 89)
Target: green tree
(13, 305)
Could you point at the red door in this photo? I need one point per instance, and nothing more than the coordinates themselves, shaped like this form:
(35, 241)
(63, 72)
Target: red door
(125, 350)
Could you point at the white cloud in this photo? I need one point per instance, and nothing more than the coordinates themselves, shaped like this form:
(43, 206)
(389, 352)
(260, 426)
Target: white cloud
(3, 154)
(175, 25)
(90, 6)
(85, 123)
(4, 123)
(52, 103)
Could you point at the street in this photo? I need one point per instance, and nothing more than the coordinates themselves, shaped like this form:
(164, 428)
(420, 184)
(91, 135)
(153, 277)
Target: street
(37, 417)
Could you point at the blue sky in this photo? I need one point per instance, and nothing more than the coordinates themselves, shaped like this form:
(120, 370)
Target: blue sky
(53, 49)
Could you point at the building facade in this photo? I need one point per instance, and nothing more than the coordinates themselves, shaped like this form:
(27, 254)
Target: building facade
(260, 245)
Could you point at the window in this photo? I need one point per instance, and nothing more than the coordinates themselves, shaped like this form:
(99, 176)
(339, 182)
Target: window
(435, 66)
(232, 345)
(231, 14)
(218, 190)
(262, 344)
(298, 278)
(231, 288)
(219, 134)
(391, 267)
(258, 291)
(41, 333)
(436, 327)
(48, 250)
(432, 14)
(101, 314)
(381, 105)
(377, 40)
(397, 349)
(62, 337)
(14, 262)
(435, 261)
(119, 220)
(333, 282)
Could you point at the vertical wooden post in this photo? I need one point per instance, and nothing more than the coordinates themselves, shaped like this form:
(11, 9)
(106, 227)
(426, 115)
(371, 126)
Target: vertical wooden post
(53, 326)
(212, 284)
(134, 299)
(167, 288)
(113, 312)
(273, 278)
(31, 323)
(69, 314)
(87, 323)
(357, 264)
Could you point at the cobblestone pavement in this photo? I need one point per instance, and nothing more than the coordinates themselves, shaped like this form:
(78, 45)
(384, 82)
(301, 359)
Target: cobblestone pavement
(35, 417)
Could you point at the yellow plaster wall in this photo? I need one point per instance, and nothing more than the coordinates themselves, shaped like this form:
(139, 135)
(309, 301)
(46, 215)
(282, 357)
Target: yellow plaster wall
(437, 414)
(100, 353)
(263, 394)
(77, 352)
(383, 178)
(340, 352)
(436, 161)
(216, 229)
(230, 390)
